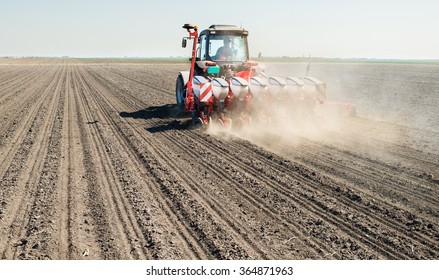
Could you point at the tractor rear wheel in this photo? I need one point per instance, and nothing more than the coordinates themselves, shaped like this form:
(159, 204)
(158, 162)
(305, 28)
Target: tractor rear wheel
(180, 92)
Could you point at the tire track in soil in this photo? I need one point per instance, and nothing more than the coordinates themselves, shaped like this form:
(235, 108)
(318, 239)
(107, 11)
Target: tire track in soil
(133, 233)
(12, 77)
(391, 156)
(146, 85)
(77, 229)
(19, 81)
(12, 90)
(19, 184)
(17, 124)
(379, 177)
(400, 150)
(67, 174)
(38, 238)
(100, 211)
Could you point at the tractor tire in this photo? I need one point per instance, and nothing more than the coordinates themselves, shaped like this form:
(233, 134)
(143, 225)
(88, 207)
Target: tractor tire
(180, 92)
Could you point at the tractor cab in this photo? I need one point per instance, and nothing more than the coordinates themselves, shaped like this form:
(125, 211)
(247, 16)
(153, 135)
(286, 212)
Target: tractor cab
(223, 44)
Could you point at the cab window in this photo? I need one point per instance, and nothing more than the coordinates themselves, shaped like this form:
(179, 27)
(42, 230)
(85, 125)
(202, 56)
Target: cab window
(202, 49)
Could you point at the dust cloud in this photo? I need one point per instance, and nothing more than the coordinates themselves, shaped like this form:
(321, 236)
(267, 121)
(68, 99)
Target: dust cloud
(283, 127)
(395, 105)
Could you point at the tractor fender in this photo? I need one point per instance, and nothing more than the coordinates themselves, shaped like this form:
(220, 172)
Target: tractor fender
(185, 76)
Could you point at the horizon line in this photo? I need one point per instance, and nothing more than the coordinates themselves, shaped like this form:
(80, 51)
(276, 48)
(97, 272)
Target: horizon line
(186, 57)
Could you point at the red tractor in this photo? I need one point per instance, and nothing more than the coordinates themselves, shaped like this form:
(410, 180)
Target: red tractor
(224, 85)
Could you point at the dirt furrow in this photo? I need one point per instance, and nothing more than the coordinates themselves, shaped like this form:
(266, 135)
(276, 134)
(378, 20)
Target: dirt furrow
(364, 174)
(16, 153)
(39, 234)
(366, 184)
(68, 177)
(19, 184)
(17, 92)
(109, 224)
(10, 88)
(394, 156)
(12, 75)
(85, 241)
(374, 177)
(348, 202)
(17, 121)
(393, 140)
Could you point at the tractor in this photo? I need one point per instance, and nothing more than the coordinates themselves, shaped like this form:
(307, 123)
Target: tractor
(223, 85)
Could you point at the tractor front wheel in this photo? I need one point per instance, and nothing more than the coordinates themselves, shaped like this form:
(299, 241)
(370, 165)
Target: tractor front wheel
(180, 92)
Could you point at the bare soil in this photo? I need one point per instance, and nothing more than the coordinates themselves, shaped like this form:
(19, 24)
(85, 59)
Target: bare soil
(95, 163)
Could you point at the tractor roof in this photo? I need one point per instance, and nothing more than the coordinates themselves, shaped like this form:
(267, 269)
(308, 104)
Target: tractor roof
(222, 29)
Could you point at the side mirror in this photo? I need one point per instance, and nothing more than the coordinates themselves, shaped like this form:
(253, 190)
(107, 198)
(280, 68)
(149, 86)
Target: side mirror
(184, 43)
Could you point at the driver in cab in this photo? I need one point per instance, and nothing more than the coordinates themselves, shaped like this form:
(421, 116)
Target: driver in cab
(225, 52)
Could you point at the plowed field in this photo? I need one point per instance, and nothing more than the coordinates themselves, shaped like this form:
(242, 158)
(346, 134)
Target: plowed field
(96, 164)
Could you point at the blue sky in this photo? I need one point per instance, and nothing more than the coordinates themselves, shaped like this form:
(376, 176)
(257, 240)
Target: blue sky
(371, 29)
